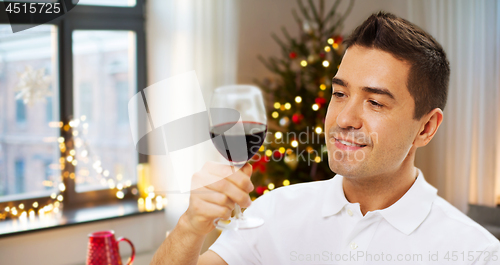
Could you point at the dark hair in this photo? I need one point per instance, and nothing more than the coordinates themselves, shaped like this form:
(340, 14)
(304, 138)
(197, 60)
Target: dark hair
(429, 71)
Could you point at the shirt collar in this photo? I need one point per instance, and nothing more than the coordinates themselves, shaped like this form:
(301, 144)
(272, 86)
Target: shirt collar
(334, 197)
(405, 215)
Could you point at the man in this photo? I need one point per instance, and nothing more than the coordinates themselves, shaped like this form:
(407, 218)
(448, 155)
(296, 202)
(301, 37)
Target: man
(387, 100)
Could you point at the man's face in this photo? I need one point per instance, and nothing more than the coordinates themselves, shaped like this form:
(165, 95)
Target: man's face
(369, 125)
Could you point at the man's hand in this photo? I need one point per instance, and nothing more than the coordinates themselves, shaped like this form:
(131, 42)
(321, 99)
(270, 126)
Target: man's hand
(217, 200)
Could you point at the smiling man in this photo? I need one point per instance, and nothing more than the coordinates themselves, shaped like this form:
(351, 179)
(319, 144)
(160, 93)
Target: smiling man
(387, 101)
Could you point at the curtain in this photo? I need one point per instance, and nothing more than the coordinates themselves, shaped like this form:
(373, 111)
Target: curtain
(463, 160)
(185, 35)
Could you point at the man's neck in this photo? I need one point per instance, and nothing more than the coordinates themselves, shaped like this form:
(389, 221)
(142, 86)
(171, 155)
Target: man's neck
(379, 192)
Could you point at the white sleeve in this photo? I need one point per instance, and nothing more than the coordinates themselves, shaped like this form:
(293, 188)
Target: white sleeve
(234, 249)
(242, 246)
(490, 256)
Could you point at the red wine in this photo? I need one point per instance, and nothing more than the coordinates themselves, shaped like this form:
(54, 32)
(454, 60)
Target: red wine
(254, 136)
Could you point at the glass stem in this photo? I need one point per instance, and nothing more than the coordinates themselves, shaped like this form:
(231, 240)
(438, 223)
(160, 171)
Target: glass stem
(237, 212)
(237, 209)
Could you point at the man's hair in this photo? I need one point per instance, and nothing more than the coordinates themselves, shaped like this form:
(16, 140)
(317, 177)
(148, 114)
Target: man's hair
(429, 73)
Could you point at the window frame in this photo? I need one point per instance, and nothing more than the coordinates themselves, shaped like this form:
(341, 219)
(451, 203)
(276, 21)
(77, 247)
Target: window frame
(84, 17)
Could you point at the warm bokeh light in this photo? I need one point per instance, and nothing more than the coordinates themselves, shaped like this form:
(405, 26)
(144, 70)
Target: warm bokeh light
(277, 105)
(275, 114)
(278, 135)
(298, 99)
(295, 143)
(318, 130)
(288, 105)
(315, 107)
(270, 186)
(303, 63)
(286, 182)
(326, 63)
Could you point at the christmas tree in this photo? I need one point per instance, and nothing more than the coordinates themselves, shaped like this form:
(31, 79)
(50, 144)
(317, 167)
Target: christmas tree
(295, 149)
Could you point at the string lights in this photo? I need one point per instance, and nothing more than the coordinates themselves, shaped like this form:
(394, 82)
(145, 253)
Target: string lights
(74, 148)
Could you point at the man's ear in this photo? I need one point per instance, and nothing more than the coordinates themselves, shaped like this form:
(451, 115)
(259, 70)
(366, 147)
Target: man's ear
(429, 127)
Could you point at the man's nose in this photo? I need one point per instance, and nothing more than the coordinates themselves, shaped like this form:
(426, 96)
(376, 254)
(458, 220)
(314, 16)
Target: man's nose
(350, 116)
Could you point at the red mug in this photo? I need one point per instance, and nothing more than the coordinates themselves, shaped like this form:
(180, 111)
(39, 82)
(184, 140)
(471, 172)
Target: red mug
(103, 249)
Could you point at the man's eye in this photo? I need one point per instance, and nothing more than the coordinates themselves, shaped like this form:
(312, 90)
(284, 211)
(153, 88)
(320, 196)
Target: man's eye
(375, 104)
(338, 94)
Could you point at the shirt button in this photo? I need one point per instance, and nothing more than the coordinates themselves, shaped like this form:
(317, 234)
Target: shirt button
(349, 212)
(353, 245)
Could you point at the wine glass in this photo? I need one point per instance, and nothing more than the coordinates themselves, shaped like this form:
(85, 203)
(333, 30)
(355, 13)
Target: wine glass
(238, 126)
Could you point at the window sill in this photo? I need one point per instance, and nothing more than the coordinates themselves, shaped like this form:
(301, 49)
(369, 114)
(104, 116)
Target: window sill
(70, 217)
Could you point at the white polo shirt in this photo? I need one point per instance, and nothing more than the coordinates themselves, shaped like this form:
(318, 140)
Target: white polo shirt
(313, 223)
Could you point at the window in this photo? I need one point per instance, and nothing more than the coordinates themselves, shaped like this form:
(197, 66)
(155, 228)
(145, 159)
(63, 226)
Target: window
(93, 60)
(19, 177)
(49, 111)
(20, 111)
(122, 96)
(84, 96)
(49, 175)
(28, 87)
(123, 3)
(102, 61)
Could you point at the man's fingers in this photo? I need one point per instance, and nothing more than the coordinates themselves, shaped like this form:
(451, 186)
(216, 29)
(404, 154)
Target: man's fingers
(217, 198)
(210, 211)
(247, 169)
(242, 181)
(209, 175)
(234, 193)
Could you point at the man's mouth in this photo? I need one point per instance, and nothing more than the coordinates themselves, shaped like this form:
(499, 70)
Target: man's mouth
(348, 145)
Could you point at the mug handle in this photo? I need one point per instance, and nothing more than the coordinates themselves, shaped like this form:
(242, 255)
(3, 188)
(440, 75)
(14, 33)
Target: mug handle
(131, 259)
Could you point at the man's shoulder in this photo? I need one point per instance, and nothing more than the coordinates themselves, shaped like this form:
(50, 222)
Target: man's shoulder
(448, 218)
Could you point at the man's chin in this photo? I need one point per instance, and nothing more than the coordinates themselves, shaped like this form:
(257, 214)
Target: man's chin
(344, 168)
